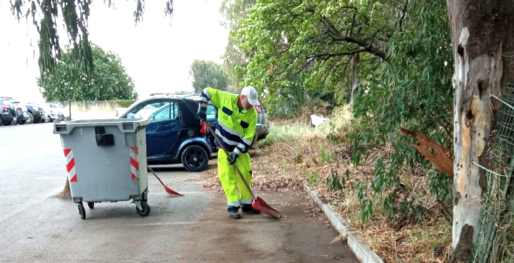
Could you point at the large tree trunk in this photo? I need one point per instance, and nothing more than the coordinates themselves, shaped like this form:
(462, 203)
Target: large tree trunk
(483, 44)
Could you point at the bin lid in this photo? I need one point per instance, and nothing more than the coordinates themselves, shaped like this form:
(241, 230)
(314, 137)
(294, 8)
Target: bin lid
(125, 125)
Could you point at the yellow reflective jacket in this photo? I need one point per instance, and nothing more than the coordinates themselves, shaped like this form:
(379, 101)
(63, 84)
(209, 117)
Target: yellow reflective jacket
(236, 127)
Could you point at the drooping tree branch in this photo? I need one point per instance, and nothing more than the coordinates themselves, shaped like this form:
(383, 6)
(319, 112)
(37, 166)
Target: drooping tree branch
(440, 158)
(368, 46)
(331, 55)
(404, 11)
(75, 15)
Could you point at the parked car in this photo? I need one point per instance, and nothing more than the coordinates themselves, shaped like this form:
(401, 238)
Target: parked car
(55, 111)
(5, 113)
(262, 128)
(19, 112)
(16, 109)
(36, 113)
(174, 134)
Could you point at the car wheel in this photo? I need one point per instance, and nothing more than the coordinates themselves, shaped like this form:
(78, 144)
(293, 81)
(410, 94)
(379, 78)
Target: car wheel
(7, 123)
(31, 118)
(195, 158)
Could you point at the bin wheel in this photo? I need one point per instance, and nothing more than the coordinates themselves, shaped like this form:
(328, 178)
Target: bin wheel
(82, 211)
(91, 205)
(145, 211)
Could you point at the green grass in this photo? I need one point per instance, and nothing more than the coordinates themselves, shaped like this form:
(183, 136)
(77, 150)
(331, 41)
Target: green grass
(287, 133)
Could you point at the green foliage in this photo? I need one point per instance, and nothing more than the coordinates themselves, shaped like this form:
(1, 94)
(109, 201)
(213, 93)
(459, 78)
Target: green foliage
(325, 156)
(313, 178)
(183, 92)
(234, 59)
(413, 90)
(74, 14)
(299, 54)
(69, 80)
(208, 74)
(300, 50)
(125, 103)
(335, 183)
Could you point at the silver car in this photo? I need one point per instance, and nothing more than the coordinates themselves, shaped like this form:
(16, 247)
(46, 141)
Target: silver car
(262, 128)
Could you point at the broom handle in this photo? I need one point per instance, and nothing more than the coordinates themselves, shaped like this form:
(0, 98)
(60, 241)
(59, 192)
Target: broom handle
(228, 155)
(151, 170)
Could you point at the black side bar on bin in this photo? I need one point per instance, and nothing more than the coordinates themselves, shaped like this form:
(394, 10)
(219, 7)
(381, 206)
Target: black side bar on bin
(103, 139)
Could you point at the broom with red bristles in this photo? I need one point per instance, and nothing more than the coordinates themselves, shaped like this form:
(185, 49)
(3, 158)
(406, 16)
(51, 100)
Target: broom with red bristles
(258, 203)
(168, 190)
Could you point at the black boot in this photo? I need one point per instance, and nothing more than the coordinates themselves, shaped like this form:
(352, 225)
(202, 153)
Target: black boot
(233, 212)
(250, 210)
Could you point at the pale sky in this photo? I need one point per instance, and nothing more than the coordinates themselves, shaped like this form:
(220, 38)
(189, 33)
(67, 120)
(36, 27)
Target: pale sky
(156, 53)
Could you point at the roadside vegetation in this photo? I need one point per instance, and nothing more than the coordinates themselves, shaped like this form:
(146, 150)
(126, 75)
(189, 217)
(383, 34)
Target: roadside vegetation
(393, 61)
(414, 228)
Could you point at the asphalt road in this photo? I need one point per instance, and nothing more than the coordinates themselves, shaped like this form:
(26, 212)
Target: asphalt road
(35, 226)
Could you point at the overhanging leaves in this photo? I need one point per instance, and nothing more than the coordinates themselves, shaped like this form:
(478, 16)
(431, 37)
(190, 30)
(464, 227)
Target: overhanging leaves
(74, 14)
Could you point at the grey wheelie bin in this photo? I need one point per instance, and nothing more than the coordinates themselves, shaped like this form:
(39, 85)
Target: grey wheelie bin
(106, 161)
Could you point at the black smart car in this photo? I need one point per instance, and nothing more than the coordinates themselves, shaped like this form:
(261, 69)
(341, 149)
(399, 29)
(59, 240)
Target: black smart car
(174, 134)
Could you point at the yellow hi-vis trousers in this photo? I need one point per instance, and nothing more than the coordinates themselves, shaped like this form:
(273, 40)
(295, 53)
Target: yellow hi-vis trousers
(230, 179)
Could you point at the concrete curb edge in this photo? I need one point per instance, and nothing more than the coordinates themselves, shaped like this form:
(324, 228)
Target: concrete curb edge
(361, 250)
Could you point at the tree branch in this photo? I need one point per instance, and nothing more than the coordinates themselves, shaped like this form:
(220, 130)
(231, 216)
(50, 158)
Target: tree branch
(350, 32)
(404, 11)
(327, 56)
(369, 47)
(447, 214)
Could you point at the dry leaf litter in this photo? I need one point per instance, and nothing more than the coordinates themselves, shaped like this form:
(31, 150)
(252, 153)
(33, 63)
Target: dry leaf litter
(286, 166)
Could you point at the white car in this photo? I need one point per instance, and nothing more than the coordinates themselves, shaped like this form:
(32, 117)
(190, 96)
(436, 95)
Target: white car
(55, 111)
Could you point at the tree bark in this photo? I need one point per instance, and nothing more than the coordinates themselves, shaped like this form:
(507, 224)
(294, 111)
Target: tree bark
(483, 44)
(355, 79)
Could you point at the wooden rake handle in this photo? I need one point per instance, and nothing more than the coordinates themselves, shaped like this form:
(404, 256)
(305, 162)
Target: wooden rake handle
(228, 155)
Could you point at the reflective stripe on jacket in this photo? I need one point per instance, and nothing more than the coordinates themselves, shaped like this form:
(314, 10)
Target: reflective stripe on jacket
(236, 127)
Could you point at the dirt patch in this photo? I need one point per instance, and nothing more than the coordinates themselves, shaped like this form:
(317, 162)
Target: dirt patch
(280, 167)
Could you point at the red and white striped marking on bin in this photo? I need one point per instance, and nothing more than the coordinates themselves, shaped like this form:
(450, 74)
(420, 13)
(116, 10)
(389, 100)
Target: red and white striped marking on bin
(70, 165)
(134, 165)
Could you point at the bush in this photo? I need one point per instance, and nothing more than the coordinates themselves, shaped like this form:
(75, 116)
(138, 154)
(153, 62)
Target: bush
(125, 103)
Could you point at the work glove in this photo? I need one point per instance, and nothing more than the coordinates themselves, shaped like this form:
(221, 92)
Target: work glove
(233, 158)
(202, 112)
